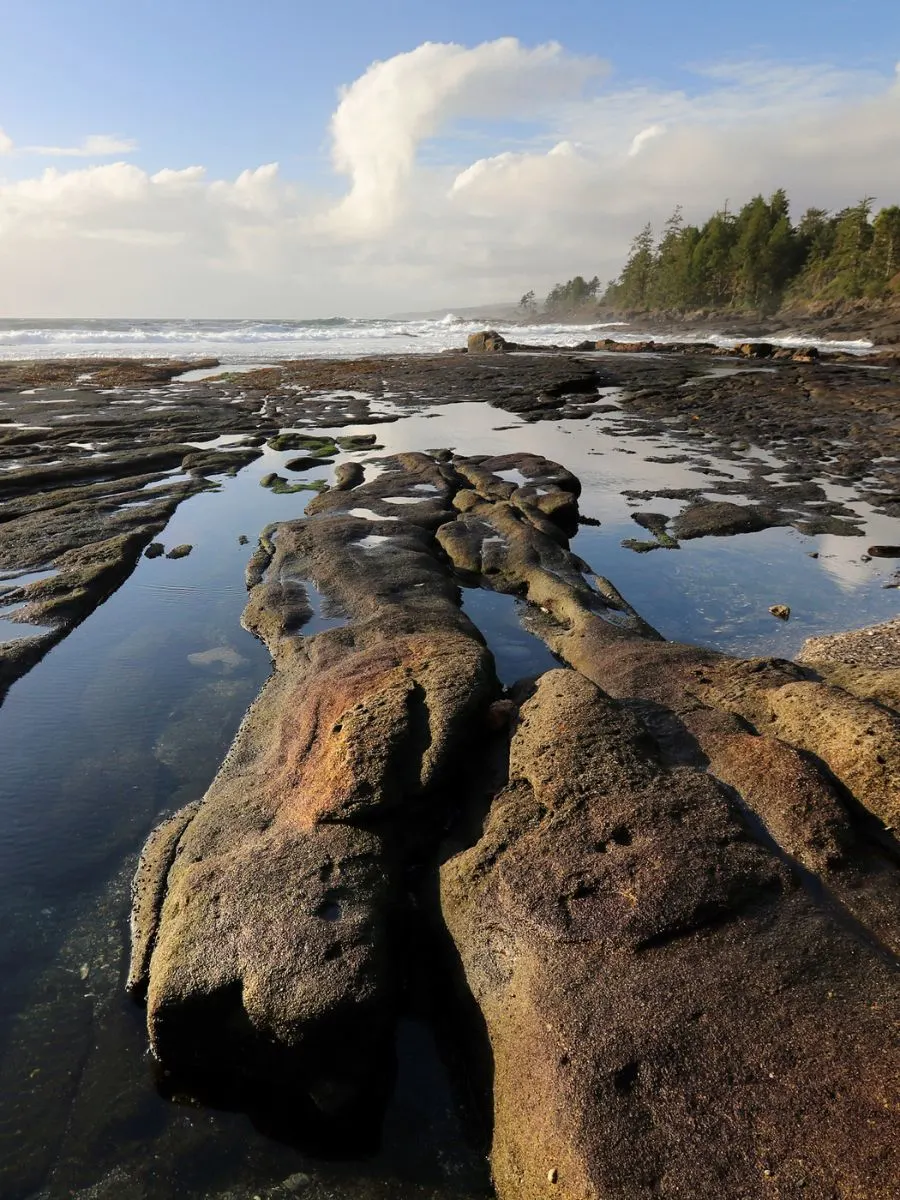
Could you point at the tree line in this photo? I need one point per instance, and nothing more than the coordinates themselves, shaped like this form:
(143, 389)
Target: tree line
(755, 259)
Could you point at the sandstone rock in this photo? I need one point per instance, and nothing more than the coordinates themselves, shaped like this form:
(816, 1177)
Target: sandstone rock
(181, 551)
(265, 924)
(667, 1011)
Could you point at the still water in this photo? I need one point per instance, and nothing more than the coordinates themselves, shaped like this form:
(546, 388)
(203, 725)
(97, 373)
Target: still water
(128, 718)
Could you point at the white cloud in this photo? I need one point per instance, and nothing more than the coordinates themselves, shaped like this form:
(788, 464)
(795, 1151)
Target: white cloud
(640, 139)
(574, 176)
(95, 145)
(385, 115)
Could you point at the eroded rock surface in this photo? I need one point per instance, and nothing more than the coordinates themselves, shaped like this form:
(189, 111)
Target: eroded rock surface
(669, 1012)
(267, 924)
(680, 921)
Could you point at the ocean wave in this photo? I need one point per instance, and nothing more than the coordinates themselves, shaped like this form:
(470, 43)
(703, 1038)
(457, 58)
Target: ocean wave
(236, 341)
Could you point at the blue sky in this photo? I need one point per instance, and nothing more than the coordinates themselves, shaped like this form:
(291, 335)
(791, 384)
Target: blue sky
(228, 82)
(231, 86)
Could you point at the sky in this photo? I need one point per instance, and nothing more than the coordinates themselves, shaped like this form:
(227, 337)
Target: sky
(217, 158)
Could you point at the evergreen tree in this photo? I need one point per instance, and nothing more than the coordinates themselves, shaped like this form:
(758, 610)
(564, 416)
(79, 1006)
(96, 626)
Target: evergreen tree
(884, 252)
(636, 280)
(570, 297)
(528, 304)
(711, 261)
(755, 260)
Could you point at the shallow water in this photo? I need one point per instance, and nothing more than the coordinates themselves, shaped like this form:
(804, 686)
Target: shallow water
(129, 717)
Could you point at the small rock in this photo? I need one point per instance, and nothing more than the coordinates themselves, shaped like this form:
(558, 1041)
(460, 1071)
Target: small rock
(154, 550)
(348, 475)
(553, 1175)
(781, 611)
(243, 540)
(884, 551)
(180, 551)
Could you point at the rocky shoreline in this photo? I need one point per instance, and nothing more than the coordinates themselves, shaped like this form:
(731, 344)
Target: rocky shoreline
(657, 886)
(681, 913)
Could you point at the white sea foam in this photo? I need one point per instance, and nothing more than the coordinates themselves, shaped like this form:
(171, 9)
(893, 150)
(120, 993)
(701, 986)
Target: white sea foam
(253, 342)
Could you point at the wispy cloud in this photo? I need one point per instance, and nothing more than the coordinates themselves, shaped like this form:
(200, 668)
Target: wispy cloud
(95, 145)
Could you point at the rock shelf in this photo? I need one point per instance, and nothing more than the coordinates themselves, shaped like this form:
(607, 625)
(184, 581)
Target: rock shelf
(670, 877)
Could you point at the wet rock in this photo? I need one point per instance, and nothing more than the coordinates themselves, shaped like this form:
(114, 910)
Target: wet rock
(219, 462)
(181, 551)
(306, 462)
(154, 550)
(282, 487)
(358, 441)
(635, 901)
(348, 475)
(884, 551)
(655, 523)
(722, 518)
(781, 611)
(320, 447)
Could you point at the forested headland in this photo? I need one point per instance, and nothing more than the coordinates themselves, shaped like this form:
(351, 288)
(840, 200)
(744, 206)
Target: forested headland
(753, 260)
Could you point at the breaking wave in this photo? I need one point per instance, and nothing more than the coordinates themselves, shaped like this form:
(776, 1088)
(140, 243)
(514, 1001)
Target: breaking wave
(249, 341)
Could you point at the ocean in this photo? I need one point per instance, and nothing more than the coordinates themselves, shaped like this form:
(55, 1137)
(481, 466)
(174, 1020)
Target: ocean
(257, 342)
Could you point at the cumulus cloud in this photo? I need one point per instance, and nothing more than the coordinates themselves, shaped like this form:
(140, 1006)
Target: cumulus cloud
(385, 115)
(6, 143)
(577, 162)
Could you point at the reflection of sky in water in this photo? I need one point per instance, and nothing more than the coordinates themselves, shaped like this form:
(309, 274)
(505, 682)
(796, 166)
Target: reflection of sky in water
(517, 652)
(713, 591)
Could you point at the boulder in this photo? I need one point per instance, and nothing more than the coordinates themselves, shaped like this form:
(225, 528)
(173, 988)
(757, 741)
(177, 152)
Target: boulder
(486, 342)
